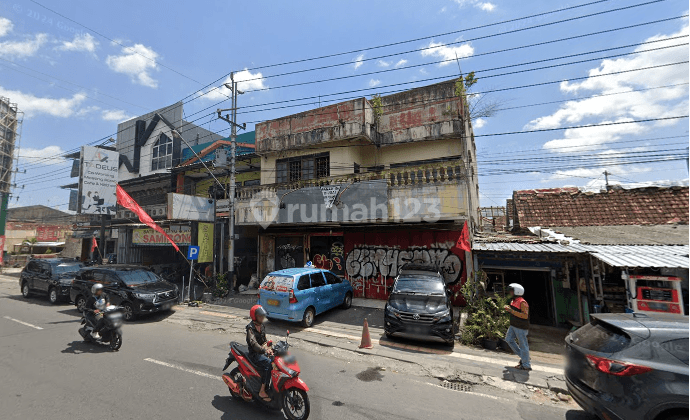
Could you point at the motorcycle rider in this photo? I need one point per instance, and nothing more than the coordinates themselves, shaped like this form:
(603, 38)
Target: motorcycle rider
(260, 352)
(94, 307)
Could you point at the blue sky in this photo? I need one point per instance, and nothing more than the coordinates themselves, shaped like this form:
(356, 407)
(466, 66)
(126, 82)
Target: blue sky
(75, 85)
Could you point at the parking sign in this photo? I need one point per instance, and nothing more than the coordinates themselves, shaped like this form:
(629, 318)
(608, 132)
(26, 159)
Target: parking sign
(193, 253)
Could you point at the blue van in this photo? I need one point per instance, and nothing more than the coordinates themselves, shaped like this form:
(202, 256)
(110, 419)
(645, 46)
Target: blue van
(299, 294)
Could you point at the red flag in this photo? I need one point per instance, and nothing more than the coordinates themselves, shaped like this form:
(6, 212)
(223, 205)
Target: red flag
(94, 244)
(464, 239)
(128, 202)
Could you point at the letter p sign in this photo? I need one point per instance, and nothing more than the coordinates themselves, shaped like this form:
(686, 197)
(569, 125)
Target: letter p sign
(193, 253)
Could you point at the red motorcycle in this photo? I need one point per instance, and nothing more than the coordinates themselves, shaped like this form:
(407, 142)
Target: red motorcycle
(287, 392)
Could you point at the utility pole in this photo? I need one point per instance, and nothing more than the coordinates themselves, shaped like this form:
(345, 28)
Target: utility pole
(233, 155)
(606, 176)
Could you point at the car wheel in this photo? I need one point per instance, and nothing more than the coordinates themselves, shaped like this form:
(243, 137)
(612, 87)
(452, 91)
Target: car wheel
(308, 318)
(53, 296)
(347, 302)
(26, 292)
(80, 302)
(128, 312)
(675, 417)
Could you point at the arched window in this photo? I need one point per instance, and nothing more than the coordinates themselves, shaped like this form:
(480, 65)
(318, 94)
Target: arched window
(162, 153)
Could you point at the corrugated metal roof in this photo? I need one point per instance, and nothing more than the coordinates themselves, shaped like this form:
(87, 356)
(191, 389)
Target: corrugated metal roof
(523, 247)
(656, 256)
(643, 260)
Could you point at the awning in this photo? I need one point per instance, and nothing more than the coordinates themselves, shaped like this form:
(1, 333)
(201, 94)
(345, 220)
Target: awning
(642, 259)
(524, 247)
(45, 244)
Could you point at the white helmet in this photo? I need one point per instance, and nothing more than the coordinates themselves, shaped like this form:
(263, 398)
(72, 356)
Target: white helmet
(518, 290)
(95, 287)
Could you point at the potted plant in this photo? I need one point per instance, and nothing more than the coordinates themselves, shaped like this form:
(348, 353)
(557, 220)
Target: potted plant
(487, 321)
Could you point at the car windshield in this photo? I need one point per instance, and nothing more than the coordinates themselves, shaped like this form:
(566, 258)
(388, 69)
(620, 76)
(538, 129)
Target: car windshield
(420, 285)
(66, 268)
(137, 277)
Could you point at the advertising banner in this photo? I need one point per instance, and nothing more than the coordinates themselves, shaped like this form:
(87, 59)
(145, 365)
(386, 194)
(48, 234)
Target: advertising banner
(205, 242)
(189, 207)
(47, 233)
(98, 180)
(182, 236)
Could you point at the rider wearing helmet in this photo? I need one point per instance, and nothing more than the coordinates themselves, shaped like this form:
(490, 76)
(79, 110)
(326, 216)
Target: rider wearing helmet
(94, 307)
(259, 350)
(519, 325)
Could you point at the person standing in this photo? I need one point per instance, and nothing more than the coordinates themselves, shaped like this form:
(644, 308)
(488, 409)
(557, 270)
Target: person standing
(519, 325)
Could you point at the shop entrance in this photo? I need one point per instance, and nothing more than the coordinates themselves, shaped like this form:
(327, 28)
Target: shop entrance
(537, 286)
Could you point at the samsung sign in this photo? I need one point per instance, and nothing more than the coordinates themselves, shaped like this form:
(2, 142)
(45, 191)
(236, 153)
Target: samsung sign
(98, 180)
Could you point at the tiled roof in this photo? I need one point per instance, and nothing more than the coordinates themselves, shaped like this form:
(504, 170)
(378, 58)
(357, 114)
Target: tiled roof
(571, 207)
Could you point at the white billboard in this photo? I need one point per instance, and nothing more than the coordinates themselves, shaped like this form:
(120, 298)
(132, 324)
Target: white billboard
(98, 180)
(189, 207)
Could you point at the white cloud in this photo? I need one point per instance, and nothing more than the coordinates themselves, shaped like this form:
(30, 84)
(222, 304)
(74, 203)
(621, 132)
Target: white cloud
(25, 48)
(115, 115)
(374, 82)
(648, 104)
(359, 61)
(478, 123)
(441, 50)
(87, 110)
(246, 81)
(136, 62)
(30, 155)
(34, 105)
(5, 26)
(482, 5)
(382, 63)
(82, 42)
(401, 62)
(486, 6)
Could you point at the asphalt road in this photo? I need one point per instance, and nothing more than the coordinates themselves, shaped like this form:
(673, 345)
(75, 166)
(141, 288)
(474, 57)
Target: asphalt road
(167, 371)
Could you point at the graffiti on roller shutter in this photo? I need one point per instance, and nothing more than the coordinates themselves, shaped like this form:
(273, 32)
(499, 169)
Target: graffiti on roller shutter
(375, 263)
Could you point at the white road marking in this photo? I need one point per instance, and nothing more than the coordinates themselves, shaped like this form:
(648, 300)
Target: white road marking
(184, 369)
(23, 323)
(505, 362)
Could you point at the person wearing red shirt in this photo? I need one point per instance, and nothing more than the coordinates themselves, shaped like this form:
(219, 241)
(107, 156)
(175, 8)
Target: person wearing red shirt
(516, 336)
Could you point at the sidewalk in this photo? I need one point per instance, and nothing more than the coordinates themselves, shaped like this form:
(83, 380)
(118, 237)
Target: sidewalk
(462, 363)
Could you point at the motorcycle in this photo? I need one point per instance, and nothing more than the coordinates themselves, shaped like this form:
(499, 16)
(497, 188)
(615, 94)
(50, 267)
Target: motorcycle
(287, 391)
(112, 329)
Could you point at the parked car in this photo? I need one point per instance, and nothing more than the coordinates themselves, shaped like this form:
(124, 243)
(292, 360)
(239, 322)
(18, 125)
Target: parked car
(299, 294)
(137, 289)
(630, 366)
(419, 306)
(49, 276)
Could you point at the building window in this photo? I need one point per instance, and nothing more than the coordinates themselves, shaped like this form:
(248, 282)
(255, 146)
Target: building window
(162, 152)
(303, 167)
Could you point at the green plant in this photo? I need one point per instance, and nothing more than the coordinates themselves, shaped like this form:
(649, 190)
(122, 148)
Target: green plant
(377, 106)
(486, 318)
(221, 289)
(463, 84)
(49, 251)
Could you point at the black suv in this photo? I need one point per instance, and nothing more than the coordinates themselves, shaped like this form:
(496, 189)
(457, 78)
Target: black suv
(137, 289)
(51, 276)
(419, 306)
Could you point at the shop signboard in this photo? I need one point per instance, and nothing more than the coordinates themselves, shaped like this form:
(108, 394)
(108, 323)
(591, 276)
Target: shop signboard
(98, 180)
(182, 237)
(205, 242)
(190, 207)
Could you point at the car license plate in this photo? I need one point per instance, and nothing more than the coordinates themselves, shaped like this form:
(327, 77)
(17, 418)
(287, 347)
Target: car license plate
(274, 302)
(167, 306)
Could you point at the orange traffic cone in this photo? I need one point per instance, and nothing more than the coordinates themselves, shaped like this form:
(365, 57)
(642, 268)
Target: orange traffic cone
(366, 339)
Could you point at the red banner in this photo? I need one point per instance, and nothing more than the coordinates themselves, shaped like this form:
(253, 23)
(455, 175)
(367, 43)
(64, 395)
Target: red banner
(128, 202)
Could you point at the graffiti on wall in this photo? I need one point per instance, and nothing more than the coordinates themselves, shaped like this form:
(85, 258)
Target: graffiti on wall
(335, 262)
(372, 268)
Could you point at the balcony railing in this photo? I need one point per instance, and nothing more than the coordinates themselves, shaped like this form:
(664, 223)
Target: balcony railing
(413, 176)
